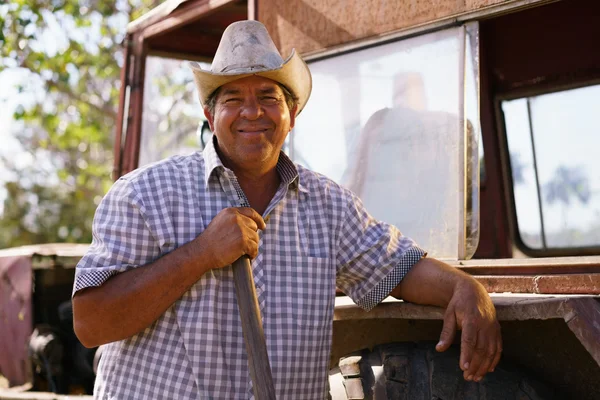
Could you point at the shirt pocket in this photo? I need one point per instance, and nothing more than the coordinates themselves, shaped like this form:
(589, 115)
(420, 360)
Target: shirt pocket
(314, 291)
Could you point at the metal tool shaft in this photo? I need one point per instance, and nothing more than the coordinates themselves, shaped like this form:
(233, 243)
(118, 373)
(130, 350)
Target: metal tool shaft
(254, 336)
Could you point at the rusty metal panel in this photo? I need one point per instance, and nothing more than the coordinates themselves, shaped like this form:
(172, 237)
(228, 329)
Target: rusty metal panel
(117, 150)
(584, 321)
(15, 317)
(542, 284)
(131, 151)
(48, 255)
(59, 250)
(22, 394)
(509, 307)
(311, 25)
(477, 4)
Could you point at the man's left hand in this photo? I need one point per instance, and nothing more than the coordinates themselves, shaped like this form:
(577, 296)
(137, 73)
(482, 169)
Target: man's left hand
(471, 310)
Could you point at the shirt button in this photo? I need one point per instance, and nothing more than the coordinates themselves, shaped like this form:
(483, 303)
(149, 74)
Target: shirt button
(267, 218)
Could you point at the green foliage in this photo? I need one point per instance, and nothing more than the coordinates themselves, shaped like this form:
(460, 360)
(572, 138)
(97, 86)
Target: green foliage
(69, 54)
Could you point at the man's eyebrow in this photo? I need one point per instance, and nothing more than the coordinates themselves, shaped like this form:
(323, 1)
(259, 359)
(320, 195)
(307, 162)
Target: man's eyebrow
(268, 90)
(230, 91)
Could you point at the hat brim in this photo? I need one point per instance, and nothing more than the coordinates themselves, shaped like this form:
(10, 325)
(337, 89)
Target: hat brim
(293, 74)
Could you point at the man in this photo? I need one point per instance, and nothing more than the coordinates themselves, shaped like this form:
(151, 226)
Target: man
(157, 284)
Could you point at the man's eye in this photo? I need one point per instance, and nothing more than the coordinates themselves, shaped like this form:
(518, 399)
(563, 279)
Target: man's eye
(232, 100)
(269, 99)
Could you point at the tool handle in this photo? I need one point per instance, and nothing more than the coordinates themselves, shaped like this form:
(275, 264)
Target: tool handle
(254, 336)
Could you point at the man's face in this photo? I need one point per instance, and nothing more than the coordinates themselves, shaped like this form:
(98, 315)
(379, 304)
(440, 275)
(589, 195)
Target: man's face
(251, 121)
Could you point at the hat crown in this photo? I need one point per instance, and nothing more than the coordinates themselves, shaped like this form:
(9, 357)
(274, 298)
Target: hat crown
(246, 47)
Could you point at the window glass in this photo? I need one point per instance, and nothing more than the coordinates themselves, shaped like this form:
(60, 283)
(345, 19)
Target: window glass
(172, 118)
(553, 141)
(388, 122)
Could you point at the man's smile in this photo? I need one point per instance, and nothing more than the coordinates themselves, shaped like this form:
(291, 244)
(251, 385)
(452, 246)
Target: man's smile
(252, 130)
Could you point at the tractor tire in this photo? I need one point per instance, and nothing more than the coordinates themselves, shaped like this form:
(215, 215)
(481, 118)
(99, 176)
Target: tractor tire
(416, 371)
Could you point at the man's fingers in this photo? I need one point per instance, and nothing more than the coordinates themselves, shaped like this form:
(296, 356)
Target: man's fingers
(448, 331)
(498, 352)
(485, 351)
(251, 248)
(477, 357)
(475, 314)
(253, 215)
(467, 346)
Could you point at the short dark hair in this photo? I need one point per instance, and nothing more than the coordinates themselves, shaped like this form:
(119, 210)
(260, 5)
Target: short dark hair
(290, 99)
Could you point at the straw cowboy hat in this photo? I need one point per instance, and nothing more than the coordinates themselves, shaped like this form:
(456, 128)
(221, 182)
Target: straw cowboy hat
(247, 49)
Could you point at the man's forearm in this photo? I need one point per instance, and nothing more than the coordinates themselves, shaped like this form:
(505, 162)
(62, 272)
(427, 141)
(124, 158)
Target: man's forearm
(431, 282)
(131, 301)
(468, 308)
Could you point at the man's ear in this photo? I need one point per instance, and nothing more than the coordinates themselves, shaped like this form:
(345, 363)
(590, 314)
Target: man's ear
(210, 118)
(293, 113)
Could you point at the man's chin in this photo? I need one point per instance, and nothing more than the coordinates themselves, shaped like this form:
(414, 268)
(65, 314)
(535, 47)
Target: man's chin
(258, 159)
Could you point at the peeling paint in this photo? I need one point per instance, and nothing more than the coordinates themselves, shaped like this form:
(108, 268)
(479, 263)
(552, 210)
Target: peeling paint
(536, 287)
(15, 311)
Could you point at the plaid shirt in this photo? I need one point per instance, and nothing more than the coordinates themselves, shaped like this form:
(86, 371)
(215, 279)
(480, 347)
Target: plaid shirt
(317, 236)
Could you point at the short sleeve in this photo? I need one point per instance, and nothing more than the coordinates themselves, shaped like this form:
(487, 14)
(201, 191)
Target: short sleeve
(121, 240)
(372, 256)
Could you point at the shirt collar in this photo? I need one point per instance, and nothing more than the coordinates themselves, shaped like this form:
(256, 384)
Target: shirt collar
(212, 162)
(287, 170)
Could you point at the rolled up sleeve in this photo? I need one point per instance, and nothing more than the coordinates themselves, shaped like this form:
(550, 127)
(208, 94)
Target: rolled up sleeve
(121, 240)
(372, 256)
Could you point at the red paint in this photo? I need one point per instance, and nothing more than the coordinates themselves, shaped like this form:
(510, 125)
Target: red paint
(15, 317)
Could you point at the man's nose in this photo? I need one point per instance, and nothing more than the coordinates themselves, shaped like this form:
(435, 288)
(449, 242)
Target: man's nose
(251, 109)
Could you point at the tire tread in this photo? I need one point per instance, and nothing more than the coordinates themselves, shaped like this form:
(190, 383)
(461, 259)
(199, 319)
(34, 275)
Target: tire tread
(416, 371)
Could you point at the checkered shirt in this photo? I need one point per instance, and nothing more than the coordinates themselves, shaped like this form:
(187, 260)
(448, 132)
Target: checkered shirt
(317, 236)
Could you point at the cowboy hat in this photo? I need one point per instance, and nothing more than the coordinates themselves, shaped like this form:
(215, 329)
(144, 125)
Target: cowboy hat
(247, 49)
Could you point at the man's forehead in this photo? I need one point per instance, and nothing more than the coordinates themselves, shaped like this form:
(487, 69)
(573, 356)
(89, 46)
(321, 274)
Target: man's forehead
(253, 82)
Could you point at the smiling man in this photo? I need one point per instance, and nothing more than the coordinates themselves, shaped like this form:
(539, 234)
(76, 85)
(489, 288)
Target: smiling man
(157, 282)
(251, 120)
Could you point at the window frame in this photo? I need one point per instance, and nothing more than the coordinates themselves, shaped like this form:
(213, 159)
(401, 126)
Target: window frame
(515, 233)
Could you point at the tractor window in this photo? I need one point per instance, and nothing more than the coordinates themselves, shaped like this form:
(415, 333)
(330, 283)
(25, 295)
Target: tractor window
(396, 123)
(173, 118)
(553, 141)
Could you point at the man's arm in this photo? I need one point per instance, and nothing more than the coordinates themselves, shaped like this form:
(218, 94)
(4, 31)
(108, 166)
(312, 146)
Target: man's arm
(468, 307)
(131, 301)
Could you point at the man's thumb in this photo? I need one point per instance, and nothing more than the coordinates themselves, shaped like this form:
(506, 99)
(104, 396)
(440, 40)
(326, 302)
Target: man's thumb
(448, 331)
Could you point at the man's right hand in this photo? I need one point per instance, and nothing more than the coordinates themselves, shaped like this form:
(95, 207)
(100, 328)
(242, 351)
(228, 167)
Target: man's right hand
(130, 301)
(232, 233)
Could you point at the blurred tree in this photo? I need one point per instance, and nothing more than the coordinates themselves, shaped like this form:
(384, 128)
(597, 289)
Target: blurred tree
(68, 54)
(517, 167)
(568, 183)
